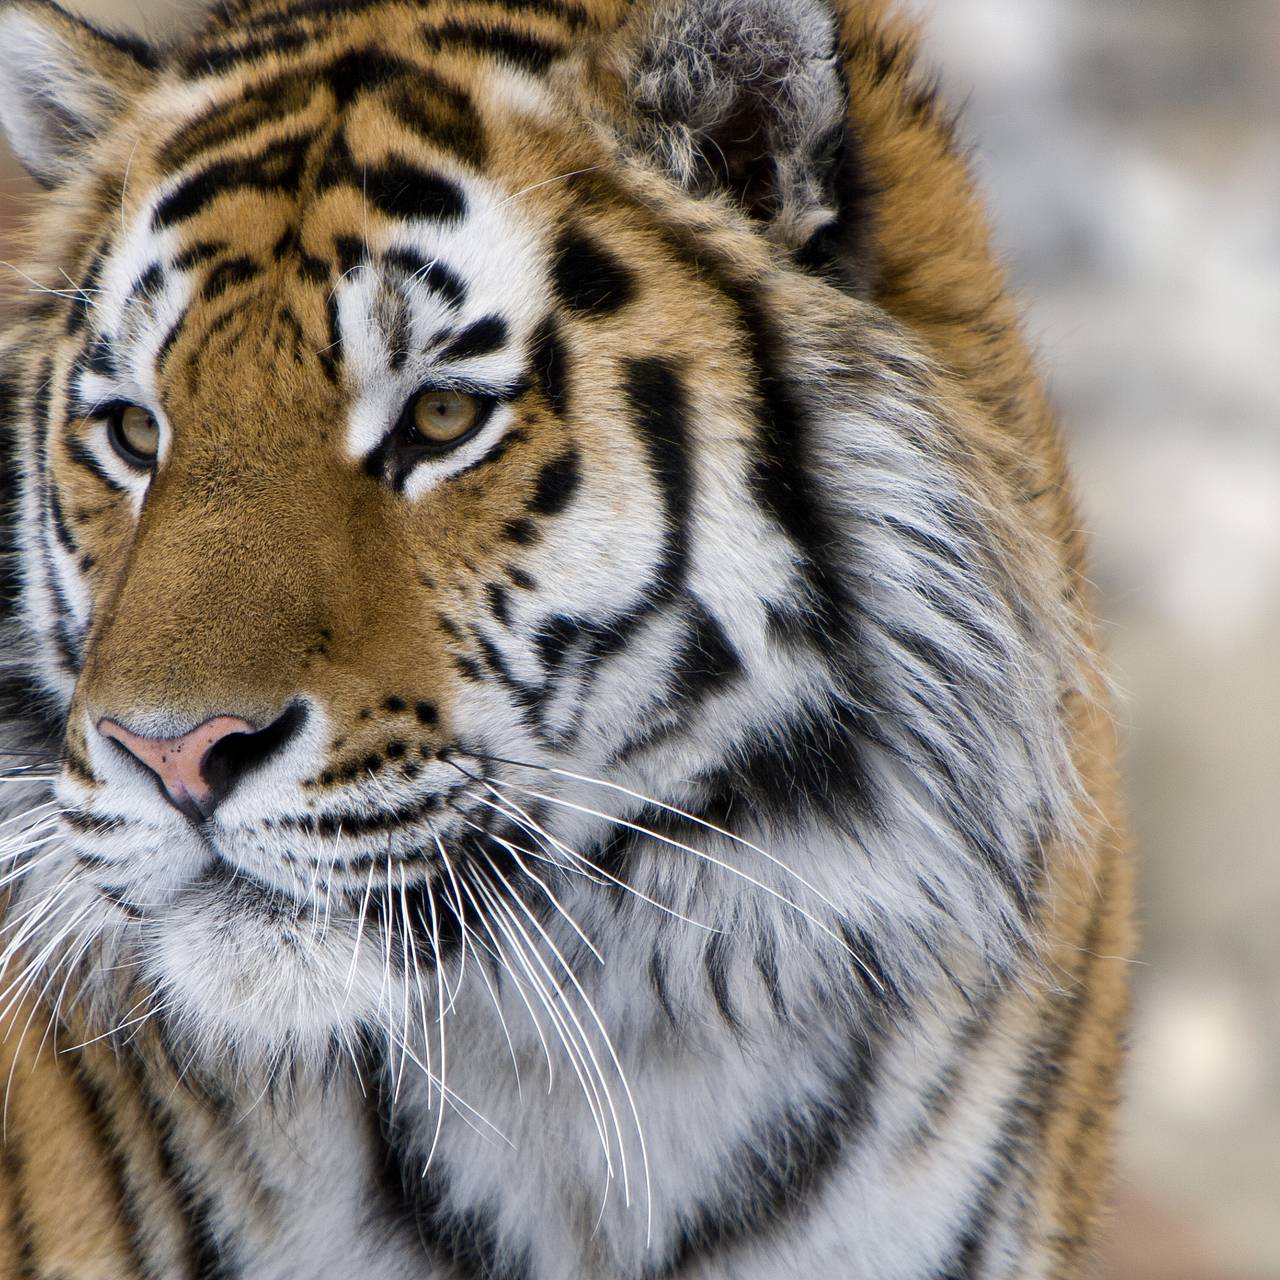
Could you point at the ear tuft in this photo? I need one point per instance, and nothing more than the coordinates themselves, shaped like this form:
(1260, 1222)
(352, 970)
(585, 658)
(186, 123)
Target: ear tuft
(745, 97)
(62, 82)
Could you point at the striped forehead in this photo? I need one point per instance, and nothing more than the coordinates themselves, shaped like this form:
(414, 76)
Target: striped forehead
(448, 288)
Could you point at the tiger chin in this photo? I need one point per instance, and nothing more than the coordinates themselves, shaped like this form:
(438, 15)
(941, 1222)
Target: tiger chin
(551, 719)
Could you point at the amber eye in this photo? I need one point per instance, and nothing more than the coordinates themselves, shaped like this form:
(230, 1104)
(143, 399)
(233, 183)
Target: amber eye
(134, 435)
(445, 417)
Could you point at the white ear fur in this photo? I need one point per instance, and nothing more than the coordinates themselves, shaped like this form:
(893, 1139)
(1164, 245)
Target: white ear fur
(62, 81)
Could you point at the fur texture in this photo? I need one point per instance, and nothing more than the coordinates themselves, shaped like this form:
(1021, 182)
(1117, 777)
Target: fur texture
(677, 834)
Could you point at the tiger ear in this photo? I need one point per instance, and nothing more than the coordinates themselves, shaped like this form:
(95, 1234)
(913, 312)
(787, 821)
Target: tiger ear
(62, 81)
(745, 97)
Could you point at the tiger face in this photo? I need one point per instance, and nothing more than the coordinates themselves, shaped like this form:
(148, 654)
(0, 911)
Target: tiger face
(460, 451)
(399, 461)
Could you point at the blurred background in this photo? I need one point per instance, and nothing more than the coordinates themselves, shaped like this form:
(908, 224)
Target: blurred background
(1130, 152)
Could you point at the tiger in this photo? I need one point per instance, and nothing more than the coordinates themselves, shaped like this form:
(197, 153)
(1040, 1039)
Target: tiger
(553, 721)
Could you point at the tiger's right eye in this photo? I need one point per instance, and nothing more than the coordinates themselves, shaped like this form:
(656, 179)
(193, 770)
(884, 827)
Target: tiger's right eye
(135, 435)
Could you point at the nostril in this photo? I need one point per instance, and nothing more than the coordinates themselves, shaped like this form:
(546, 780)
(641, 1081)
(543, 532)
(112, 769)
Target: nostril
(198, 769)
(237, 754)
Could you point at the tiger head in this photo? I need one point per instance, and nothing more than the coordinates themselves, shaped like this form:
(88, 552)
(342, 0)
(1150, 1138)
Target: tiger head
(456, 466)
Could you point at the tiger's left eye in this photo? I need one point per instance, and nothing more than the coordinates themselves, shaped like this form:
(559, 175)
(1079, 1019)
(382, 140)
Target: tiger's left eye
(443, 418)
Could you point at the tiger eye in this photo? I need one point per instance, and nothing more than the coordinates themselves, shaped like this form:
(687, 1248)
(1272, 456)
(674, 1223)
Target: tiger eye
(134, 435)
(441, 417)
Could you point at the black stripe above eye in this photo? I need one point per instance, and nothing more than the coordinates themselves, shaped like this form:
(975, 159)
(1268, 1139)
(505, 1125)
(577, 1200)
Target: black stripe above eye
(403, 190)
(432, 274)
(480, 338)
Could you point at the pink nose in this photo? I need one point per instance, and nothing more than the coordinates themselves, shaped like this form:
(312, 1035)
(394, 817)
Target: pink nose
(179, 763)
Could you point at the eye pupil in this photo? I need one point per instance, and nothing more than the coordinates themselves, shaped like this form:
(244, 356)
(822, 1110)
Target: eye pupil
(134, 434)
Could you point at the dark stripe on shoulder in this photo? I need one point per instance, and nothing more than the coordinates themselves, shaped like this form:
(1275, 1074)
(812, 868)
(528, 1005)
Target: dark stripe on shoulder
(20, 1228)
(208, 1256)
(108, 1142)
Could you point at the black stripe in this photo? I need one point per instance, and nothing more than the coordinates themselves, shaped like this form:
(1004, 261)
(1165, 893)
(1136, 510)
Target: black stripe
(403, 190)
(658, 979)
(550, 365)
(101, 1114)
(349, 251)
(572, 15)
(766, 960)
(717, 957)
(208, 1256)
(557, 483)
(331, 353)
(465, 1240)
(587, 277)
(777, 1171)
(499, 602)
(99, 358)
(658, 406)
(167, 342)
(227, 275)
(58, 518)
(361, 71)
(495, 451)
(83, 306)
(267, 103)
(10, 399)
(810, 763)
(526, 51)
(277, 169)
(480, 338)
(706, 660)
(431, 274)
(148, 283)
(20, 1227)
(442, 115)
(228, 57)
(81, 456)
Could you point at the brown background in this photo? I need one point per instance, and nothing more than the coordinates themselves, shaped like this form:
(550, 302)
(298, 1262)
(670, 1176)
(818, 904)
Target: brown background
(1131, 152)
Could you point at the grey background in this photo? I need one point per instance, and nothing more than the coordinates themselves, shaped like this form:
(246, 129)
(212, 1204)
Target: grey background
(1130, 150)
